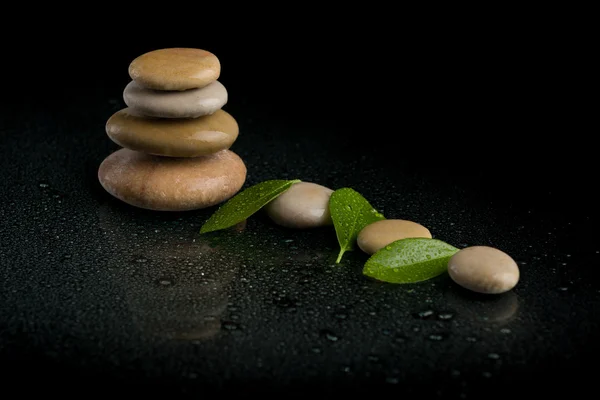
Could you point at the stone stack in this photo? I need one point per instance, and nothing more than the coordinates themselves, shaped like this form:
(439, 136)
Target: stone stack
(175, 135)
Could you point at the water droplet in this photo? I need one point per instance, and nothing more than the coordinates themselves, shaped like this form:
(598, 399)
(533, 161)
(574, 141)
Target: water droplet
(165, 282)
(373, 358)
(424, 314)
(505, 330)
(445, 316)
(348, 207)
(388, 247)
(141, 260)
(230, 326)
(471, 339)
(391, 380)
(44, 185)
(341, 315)
(436, 337)
(563, 288)
(332, 337)
(316, 350)
(494, 356)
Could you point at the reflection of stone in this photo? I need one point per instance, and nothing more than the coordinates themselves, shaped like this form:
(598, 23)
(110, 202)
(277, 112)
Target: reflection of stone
(482, 307)
(174, 287)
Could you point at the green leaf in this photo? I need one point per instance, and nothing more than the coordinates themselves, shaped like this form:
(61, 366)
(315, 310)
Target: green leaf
(246, 203)
(410, 260)
(350, 212)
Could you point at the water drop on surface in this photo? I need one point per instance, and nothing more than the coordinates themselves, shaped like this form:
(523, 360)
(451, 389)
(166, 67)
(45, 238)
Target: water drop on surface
(505, 330)
(388, 247)
(316, 350)
(44, 185)
(436, 338)
(446, 316)
(332, 337)
(230, 326)
(165, 282)
(424, 314)
(563, 288)
(494, 356)
(471, 339)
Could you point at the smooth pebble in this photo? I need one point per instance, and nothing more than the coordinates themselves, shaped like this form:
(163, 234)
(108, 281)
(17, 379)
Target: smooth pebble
(172, 184)
(484, 269)
(377, 235)
(303, 205)
(175, 69)
(173, 137)
(192, 103)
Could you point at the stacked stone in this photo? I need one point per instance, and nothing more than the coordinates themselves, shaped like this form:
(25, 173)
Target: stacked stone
(174, 134)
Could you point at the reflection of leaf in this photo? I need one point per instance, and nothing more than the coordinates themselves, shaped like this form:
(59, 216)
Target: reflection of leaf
(410, 260)
(350, 212)
(246, 203)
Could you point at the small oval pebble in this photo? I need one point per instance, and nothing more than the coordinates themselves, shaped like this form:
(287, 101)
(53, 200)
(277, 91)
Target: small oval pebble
(172, 184)
(377, 235)
(173, 137)
(484, 269)
(175, 69)
(303, 205)
(192, 103)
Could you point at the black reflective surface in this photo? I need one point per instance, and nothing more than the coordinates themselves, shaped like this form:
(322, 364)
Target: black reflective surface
(96, 292)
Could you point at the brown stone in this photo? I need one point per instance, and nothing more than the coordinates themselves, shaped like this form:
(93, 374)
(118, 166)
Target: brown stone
(173, 137)
(172, 184)
(175, 69)
(377, 235)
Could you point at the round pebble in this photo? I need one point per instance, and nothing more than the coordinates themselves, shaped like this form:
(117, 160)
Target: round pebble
(192, 103)
(303, 205)
(172, 184)
(179, 137)
(377, 235)
(484, 269)
(175, 69)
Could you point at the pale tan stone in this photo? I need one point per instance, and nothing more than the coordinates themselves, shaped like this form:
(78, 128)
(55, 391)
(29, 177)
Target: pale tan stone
(189, 137)
(377, 235)
(175, 69)
(192, 103)
(303, 205)
(172, 184)
(484, 269)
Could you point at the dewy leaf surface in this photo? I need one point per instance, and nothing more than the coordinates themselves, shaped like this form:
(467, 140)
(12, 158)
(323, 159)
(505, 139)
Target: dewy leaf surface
(350, 212)
(246, 203)
(410, 260)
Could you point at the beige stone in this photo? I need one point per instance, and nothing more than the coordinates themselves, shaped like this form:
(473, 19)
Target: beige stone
(175, 69)
(173, 137)
(172, 184)
(484, 269)
(303, 205)
(381, 233)
(192, 103)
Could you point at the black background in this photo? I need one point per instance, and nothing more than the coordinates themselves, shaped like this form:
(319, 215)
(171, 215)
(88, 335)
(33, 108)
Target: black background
(474, 103)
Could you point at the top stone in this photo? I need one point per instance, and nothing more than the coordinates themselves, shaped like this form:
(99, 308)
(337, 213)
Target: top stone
(175, 69)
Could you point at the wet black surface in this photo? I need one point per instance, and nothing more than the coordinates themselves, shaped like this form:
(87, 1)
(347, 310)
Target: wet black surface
(96, 292)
